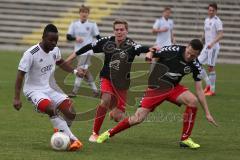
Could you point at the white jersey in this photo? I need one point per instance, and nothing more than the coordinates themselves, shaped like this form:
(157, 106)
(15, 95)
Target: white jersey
(211, 27)
(39, 67)
(164, 38)
(86, 30)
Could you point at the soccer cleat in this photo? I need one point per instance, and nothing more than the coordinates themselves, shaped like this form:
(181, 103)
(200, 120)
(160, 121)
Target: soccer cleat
(55, 130)
(189, 143)
(96, 94)
(210, 93)
(75, 145)
(207, 89)
(103, 137)
(93, 137)
(72, 95)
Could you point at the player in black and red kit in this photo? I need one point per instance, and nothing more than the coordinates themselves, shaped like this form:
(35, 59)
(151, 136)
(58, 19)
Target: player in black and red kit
(119, 51)
(174, 63)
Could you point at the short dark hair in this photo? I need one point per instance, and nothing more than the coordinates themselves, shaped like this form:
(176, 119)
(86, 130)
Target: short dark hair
(196, 44)
(213, 5)
(50, 28)
(167, 9)
(120, 21)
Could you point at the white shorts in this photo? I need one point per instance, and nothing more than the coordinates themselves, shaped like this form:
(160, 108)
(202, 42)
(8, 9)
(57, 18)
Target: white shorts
(84, 60)
(209, 56)
(52, 95)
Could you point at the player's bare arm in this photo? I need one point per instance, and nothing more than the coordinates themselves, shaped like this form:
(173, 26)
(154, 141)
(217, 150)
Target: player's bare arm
(17, 104)
(66, 67)
(70, 58)
(216, 39)
(202, 99)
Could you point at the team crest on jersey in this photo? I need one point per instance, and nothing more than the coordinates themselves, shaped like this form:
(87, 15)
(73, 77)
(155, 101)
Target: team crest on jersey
(87, 28)
(115, 64)
(40, 60)
(187, 69)
(122, 54)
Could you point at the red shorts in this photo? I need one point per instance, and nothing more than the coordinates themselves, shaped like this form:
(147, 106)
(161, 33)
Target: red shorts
(154, 97)
(120, 95)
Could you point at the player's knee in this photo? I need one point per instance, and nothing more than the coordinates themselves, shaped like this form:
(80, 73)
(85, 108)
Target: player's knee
(45, 106)
(193, 101)
(117, 115)
(67, 109)
(136, 119)
(210, 68)
(106, 100)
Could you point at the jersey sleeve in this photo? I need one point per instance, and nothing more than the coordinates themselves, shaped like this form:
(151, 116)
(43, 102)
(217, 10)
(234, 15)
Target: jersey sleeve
(219, 25)
(97, 46)
(171, 24)
(167, 52)
(26, 62)
(95, 31)
(58, 55)
(138, 49)
(156, 24)
(71, 29)
(197, 70)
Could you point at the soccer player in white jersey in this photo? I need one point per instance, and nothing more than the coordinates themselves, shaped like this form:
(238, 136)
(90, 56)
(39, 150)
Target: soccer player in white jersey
(83, 32)
(37, 66)
(213, 33)
(163, 27)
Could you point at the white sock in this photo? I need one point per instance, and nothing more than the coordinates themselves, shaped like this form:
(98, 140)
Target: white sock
(93, 85)
(212, 78)
(205, 77)
(77, 84)
(61, 125)
(91, 82)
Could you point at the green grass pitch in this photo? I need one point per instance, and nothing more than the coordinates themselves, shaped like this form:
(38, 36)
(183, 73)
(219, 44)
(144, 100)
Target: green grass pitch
(25, 134)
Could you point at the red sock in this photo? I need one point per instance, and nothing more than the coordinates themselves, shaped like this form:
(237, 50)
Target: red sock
(124, 124)
(100, 115)
(188, 121)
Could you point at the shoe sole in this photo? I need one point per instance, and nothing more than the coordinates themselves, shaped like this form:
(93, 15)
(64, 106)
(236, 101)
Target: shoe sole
(182, 145)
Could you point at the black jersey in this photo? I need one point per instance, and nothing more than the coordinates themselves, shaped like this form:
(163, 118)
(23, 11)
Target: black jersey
(173, 65)
(118, 59)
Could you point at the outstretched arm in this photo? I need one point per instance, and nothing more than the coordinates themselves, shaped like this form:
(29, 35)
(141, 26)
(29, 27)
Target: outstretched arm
(17, 104)
(68, 68)
(202, 99)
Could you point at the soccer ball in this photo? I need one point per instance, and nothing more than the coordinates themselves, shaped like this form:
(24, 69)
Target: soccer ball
(60, 141)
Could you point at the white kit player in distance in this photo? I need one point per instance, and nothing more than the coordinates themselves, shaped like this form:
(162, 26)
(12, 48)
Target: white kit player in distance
(37, 66)
(83, 32)
(163, 27)
(213, 33)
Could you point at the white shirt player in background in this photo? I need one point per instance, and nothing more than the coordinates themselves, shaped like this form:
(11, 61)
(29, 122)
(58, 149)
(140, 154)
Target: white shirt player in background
(83, 32)
(37, 67)
(163, 27)
(213, 33)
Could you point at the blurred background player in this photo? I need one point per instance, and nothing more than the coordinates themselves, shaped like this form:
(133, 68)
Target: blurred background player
(177, 61)
(163, 27)
(37, 66)
(83, 32)
(213, 33)
(119, 51)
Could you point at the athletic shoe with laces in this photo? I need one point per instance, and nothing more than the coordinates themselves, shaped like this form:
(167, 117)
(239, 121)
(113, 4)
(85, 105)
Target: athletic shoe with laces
(207, 89)
(93, 137)
(72, 95)
(103, 137)
(210, 93)
(189, 143)
(75, 145)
